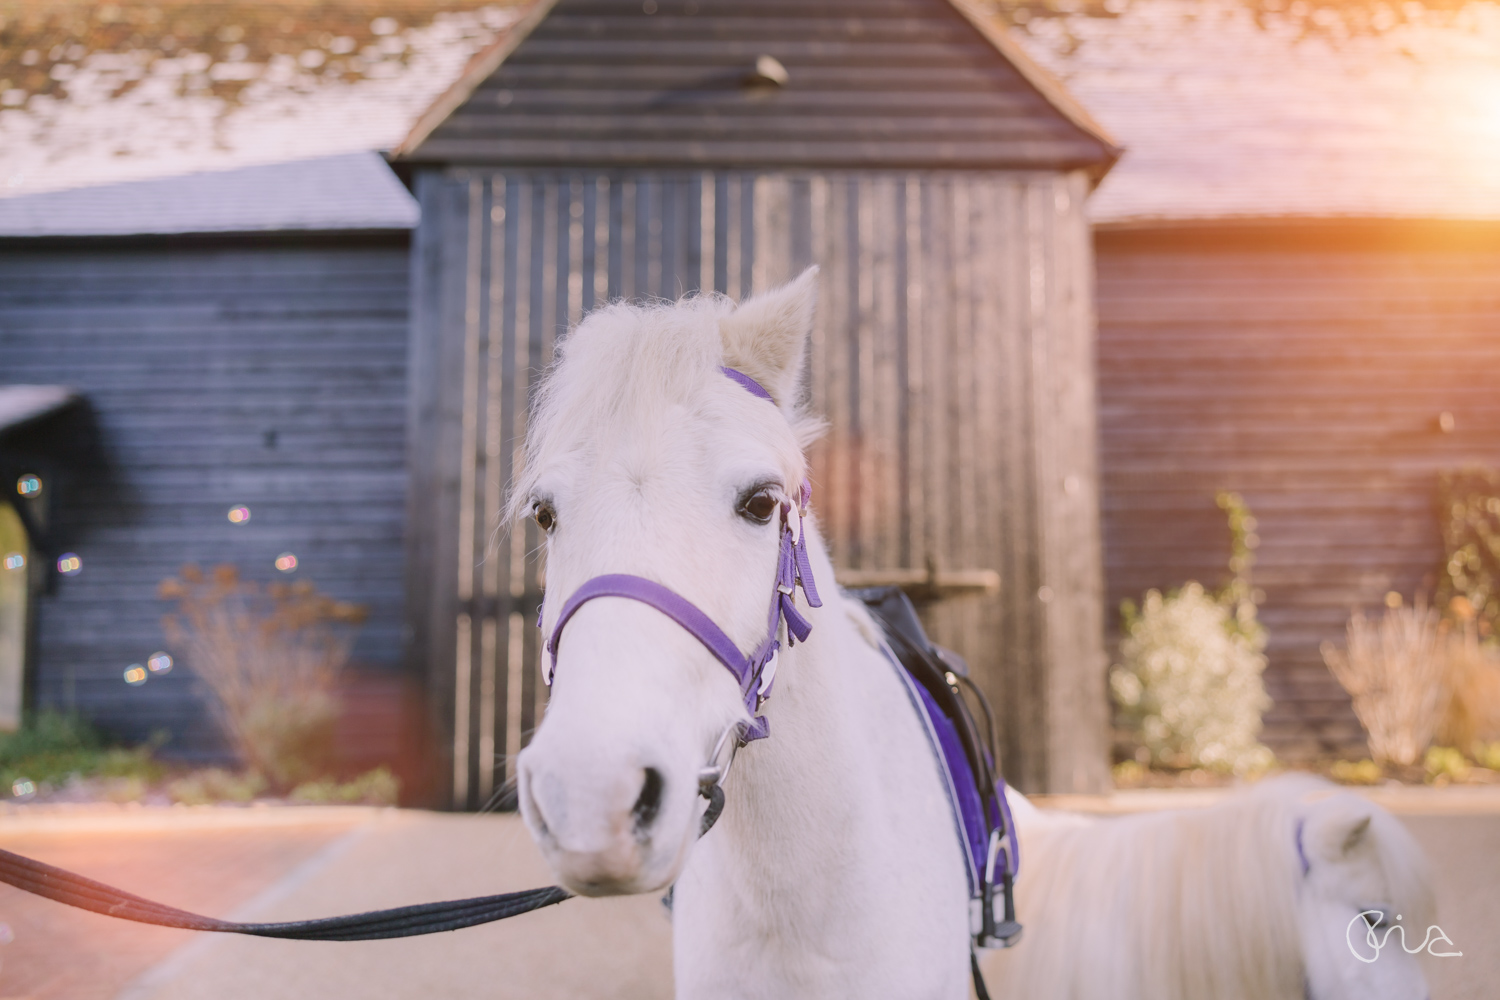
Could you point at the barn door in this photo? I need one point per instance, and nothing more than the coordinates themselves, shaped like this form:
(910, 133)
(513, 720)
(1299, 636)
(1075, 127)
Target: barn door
(951, 362)
(507, 263)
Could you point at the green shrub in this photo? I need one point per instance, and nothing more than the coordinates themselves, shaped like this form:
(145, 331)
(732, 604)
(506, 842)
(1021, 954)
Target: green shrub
(1469, 513)
(212, 784)
(1189, 681)
(1360, 772)
(374, 788)
(1445, 762)
(50, 748)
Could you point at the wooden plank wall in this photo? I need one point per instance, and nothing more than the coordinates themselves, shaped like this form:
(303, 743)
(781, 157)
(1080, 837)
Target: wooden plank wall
(271, 374)
(1308, 371)
(952, 356)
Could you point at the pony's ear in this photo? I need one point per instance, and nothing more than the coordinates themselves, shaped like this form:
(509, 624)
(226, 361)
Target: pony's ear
(766, 337)
(1340, 827)
(1353, 834)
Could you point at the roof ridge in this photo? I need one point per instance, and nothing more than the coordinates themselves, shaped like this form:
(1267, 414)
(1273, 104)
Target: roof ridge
(1051, 89)
(489, 59)
(483, 63)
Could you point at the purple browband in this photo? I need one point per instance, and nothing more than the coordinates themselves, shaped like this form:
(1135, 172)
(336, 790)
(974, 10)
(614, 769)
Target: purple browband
(750, 385)
(756, 672)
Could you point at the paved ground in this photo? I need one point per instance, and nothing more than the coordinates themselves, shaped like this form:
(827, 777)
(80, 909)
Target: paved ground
(208, 861)
(580, 948)
(287, 864)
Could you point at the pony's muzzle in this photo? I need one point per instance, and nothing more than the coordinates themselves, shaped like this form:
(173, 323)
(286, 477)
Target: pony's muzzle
(599, 842)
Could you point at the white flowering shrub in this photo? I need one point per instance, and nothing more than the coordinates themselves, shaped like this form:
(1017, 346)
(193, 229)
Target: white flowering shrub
(1189, 680)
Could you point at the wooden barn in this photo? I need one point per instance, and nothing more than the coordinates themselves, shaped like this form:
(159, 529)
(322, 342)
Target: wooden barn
(244, 321)
(1299, 299)
(234, 339)
(607, 148)
(1296, 297)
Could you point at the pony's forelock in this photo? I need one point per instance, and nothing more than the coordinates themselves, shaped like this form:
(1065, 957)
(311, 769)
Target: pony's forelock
(629, 361)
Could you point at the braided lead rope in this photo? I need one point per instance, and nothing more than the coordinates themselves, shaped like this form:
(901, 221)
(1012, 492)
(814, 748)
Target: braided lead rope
(403, 921)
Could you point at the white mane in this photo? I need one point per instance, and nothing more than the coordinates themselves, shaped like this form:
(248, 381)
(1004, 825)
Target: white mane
(1182, 905)
(626, 365)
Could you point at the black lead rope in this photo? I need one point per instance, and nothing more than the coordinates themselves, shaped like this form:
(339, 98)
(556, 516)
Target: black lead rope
(65, 887)
(403, 921)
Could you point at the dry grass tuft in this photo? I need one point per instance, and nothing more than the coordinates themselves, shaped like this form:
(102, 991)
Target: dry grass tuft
(1472, 713)
(1395, 670)
(271, 655)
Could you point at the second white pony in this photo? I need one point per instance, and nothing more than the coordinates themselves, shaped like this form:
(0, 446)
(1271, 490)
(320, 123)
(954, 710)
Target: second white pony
(1274, 894)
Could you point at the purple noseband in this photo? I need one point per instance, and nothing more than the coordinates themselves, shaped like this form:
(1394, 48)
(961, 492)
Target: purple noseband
(756, 672)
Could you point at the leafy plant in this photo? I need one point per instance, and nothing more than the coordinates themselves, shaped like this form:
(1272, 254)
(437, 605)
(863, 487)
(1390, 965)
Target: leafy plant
(211, 785)
(50, 748)
(1362, 772)
(1189, 680)
(1488, 755)
(271, 656)
(374, 788)
(1446, 764)
(1469, 513)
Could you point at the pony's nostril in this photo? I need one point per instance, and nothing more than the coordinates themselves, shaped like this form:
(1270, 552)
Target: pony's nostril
(648, 803)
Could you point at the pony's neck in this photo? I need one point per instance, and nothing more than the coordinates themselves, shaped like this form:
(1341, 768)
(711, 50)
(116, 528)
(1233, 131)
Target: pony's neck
(798, 799)
(836, 869)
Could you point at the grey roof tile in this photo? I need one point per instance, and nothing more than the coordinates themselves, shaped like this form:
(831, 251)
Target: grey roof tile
(21, 404)
(349, 192)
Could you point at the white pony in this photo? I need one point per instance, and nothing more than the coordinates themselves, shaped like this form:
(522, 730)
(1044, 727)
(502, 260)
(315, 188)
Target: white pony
(836, 869)
(1257, 898)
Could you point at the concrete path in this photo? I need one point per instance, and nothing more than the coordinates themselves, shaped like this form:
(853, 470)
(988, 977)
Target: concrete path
(290, 864)
(206, 860)
(580, 948)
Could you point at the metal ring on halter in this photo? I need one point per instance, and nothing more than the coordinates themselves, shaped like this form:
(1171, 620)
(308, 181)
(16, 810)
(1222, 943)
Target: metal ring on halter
(713, 773)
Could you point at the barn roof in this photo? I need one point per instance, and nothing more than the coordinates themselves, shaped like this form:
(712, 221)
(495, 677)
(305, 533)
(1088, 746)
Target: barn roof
(95, 93)
(773, 83)
(21, 404)
(355, 191)
(1239, 109)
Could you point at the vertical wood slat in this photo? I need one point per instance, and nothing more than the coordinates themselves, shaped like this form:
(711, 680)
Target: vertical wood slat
(464, 707)
(936, 360)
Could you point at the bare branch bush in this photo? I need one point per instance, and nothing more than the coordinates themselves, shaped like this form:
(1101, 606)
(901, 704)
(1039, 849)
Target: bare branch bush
(271, 656)
(1472, 709)
(1395, 670)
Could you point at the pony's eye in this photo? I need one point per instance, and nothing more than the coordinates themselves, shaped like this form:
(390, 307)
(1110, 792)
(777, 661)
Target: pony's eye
(1376, 917)
(545, 516)
(759, 506)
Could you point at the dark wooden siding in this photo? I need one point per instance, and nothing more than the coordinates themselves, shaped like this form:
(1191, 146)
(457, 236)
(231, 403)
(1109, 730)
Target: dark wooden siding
(218, 373)
(887, 83)
(952, 356)
(1307, 369)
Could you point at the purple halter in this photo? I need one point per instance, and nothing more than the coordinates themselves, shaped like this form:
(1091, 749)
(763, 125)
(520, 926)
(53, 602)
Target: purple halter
(757, 671)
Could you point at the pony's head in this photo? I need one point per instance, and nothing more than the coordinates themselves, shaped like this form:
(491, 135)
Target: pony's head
(1364, 902)
(643, 458)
